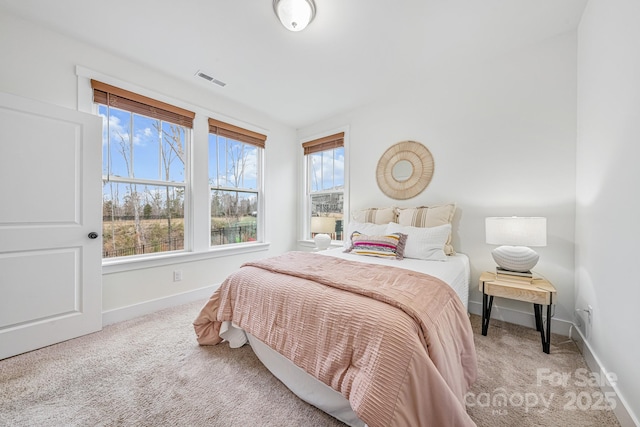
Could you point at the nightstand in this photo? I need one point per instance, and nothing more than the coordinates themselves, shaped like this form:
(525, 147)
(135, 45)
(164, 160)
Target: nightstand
(537, 291)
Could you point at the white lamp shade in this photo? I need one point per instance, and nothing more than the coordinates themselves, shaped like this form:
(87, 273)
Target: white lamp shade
(295, 15)
(516, 231)
(323, 224)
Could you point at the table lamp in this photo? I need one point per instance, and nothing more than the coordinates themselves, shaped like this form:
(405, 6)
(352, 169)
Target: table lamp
(322, 228)
(514, 235)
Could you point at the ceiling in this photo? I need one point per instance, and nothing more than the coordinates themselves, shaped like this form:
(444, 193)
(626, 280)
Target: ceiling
(354, 52)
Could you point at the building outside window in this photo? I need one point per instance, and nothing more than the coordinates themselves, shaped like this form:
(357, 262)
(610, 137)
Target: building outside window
(325, 161)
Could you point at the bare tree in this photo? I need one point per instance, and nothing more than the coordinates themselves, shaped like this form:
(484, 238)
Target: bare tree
(238, 163)
(110, 209)
(172, 149)
(131, 201)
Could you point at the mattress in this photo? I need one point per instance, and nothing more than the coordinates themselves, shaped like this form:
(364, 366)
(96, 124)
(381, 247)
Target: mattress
(455, 271)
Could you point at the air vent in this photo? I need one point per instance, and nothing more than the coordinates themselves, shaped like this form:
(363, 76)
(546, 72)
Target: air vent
(210, 79)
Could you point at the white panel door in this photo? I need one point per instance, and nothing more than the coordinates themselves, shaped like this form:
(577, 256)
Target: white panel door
(50, 201)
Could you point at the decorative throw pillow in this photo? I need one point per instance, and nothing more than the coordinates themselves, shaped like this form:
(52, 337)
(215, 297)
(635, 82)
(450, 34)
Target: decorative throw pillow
(363, 228)
(425, 243)
(429, 216)
(375, 215)
(384, 246)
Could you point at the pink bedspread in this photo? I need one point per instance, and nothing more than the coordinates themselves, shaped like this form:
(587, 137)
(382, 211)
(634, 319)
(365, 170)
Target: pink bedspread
(396, 343)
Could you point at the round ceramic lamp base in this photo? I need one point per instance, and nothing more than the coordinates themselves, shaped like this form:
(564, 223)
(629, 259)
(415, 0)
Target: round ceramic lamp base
(515, 258)
(322, 241)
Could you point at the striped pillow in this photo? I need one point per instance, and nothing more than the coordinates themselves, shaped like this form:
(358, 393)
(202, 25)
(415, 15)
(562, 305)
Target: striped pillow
(375, 215)
(385, 246)
(431, 216)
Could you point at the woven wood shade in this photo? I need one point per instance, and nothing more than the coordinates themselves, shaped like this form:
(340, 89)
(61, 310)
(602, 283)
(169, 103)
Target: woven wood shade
(237, 133)
(130, 101)
(325, 143)
(422, 170)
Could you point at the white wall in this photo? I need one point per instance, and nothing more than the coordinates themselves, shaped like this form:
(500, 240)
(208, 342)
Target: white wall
(608, 200)
(40, 64)
(502, 134)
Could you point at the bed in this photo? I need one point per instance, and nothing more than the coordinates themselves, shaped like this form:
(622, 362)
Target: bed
(367, 356)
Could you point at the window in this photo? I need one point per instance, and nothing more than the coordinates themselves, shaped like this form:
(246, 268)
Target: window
(144, 172)
(234, 180)
(324, 159)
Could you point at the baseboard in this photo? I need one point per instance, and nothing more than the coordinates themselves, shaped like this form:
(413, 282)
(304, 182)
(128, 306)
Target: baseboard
(622, 411)
(566, 328)
(558, 326)
(132, 311)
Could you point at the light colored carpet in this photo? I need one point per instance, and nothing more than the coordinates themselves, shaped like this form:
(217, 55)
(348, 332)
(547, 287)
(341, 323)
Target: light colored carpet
(511, 363)
(151, 372)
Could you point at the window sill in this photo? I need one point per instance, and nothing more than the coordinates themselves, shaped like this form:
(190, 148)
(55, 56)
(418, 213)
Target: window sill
(310, 244)
(142, 262)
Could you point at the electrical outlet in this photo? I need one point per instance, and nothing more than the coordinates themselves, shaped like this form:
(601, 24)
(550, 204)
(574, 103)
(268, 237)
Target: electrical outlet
(177, 275)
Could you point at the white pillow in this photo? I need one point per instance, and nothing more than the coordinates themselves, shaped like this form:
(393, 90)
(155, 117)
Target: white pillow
(368, 228)
(423, 242)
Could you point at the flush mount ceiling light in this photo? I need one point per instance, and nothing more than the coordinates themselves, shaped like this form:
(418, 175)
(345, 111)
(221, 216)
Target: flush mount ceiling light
(295, 15)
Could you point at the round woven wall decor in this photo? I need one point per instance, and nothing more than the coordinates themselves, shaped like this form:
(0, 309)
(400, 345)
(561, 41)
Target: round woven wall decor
(422, 170)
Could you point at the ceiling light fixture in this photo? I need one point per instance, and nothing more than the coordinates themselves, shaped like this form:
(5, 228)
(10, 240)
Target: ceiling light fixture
(295, 15)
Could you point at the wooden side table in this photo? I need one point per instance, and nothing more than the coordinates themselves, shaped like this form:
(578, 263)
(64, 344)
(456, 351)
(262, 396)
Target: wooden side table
(537, 291)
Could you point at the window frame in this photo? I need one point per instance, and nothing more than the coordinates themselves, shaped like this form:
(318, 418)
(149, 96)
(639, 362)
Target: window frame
(138, 106)
(305, 209)
(244, 136)
(198, 212)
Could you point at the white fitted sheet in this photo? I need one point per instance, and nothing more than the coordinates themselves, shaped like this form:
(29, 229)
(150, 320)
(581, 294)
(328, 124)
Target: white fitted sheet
(305, 386)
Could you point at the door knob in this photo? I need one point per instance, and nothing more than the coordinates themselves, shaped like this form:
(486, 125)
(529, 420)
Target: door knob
(93, 235)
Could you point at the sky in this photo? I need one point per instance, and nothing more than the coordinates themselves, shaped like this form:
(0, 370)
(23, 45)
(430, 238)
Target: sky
(133, 146)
